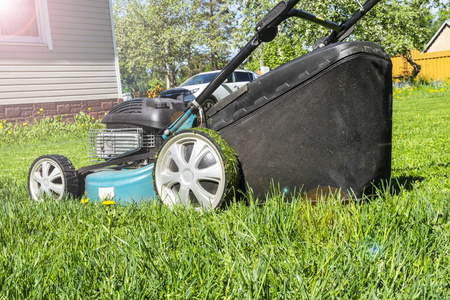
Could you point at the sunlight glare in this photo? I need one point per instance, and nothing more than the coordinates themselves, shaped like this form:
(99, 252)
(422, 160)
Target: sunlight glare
(5, 5)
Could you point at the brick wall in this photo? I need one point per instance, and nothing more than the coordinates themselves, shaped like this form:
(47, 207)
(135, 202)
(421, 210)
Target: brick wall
(30, 112)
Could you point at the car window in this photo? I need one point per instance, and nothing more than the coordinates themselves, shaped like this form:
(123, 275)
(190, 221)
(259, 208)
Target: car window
(200, 79)
(243, 76)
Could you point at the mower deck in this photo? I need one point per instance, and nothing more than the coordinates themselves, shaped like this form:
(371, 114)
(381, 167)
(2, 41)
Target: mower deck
(124, 185)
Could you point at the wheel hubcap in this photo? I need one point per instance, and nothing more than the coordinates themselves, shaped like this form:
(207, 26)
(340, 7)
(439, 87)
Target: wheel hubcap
(190, 170)
(188, 176)
(46, 179)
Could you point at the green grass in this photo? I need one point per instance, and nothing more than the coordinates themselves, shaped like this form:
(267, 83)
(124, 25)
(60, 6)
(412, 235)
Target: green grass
(394, 246)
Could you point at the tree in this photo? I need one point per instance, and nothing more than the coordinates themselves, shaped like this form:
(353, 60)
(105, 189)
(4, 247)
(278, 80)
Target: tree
(442, 16)
(397, 25)
(156, 36)
(171, 40)
(216, 23)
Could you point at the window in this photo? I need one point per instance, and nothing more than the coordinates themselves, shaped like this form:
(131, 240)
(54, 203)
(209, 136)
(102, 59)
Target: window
(199, 79)
(243, 76)
(24, 21)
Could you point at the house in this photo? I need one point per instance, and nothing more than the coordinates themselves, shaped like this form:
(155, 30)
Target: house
(441, 40)
(57, 57)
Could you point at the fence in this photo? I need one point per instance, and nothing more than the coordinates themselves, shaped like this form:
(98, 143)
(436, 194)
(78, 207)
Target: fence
(435, 65)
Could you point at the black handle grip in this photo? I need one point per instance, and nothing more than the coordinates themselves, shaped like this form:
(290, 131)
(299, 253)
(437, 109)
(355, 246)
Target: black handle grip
(271, 16)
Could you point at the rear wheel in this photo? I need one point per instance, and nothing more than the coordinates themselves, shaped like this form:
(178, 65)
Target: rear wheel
(52, 176)
(208, 104)
(197, 168)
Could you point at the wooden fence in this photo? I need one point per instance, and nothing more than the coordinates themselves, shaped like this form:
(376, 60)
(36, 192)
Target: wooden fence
(435, 65)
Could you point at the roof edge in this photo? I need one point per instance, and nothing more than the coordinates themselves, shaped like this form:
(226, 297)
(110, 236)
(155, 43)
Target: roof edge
(446, 23)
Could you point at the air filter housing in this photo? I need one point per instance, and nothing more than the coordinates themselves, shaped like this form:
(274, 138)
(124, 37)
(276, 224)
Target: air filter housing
(151, 114)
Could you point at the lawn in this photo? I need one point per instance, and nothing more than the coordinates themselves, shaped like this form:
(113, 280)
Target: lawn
(396, 245)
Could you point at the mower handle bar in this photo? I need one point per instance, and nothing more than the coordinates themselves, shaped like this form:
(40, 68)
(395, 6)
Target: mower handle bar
(265, 31)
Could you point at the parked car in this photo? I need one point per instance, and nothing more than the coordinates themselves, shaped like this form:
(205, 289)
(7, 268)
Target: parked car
(192, 87)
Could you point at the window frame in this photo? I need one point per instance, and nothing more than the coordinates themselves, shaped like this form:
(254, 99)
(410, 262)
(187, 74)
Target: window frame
(43, 24)
(249, 74)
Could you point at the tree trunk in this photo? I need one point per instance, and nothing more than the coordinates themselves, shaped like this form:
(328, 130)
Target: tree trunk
(168, 85)
(168, 81)
(213, 56)
(173, 76)
(416, 67)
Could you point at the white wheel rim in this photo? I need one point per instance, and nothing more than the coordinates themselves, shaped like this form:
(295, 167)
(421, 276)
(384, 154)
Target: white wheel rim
(46, 178)
(190, 170)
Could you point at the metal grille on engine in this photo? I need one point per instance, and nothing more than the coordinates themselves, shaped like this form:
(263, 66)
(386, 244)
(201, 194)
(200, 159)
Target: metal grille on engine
(105, 144)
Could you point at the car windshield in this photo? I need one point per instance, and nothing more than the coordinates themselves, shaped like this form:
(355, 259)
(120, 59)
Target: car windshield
(200, 79)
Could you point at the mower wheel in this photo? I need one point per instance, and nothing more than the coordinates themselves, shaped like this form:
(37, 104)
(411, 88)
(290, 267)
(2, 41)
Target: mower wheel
(208, 104)
(52, 176)
(197, 168)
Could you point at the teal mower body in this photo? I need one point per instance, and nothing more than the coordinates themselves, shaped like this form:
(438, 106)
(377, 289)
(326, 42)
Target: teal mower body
(123, 185)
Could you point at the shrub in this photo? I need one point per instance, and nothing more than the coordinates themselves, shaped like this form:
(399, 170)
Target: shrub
(45, 129)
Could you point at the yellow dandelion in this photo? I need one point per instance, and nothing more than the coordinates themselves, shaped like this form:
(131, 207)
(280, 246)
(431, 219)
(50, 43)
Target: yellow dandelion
(1, 126)
(108, 202)
(24, 124)
(38, 112)
(41, 109)
(84, 201)
(93, 118)
(4, 121)
(9, 132)
(89, 108)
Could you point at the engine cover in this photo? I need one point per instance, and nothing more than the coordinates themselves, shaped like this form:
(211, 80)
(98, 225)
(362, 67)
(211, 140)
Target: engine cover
(151, 114)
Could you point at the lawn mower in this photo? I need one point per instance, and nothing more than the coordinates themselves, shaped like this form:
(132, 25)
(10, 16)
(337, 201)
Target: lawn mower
(320, 120)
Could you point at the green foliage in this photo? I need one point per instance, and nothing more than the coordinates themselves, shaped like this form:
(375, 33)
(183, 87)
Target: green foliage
(135, 81)
(171, 41)
(398, 26)
(442, 16)
(166, 39)
(394, 246)
(155, 36)
(45, 129)
(216, 26)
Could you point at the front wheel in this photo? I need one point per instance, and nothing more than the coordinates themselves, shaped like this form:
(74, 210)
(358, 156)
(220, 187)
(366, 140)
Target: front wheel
(52, 176)
(195, 167)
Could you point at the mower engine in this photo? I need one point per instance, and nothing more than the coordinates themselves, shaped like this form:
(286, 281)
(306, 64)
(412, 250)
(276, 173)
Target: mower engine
(131, 127)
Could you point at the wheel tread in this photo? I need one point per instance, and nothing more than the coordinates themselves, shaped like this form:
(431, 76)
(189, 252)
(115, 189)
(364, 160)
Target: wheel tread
(70, 173)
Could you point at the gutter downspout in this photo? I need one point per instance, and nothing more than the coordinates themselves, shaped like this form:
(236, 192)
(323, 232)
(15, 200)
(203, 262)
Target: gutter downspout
(116, 57)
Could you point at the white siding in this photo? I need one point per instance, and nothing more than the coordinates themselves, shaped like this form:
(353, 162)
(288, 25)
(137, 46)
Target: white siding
(81, 66)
